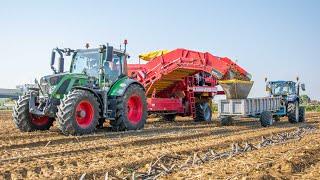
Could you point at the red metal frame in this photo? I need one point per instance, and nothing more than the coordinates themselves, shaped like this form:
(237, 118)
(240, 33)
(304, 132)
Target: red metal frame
(170, 80)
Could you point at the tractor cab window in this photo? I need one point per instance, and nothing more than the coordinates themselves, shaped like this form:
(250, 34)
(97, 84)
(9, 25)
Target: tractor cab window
(86, 62)
(283, 88)
(113, 68)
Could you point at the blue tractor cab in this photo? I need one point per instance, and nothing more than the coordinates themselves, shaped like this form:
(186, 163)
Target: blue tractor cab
(289, 91)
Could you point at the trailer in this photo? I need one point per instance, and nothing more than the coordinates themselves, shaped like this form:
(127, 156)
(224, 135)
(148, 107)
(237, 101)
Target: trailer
(283, 100)
(264, 108)
(250, 107)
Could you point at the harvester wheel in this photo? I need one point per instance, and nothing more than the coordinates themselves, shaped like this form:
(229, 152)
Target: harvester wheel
(78, 113)
(293, 112)
(168, 117)
(203, 112)
(27, 122)
(301, 114)
(266, 119)
(131, 110)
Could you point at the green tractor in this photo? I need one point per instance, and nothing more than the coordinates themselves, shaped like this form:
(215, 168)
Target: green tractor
(95, 88)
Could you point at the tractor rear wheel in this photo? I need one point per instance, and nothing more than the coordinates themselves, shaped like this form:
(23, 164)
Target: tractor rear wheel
(131, 110)
(78, 113)
(293, 112)
(168, 117)
(25, 121)
(301, 114)
(203, 112)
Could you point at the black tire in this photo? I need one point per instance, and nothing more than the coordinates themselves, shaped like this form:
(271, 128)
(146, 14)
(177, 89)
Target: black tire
(266, 119)
(302, 114)
(291, 112)
(168, 117)
(123, 121)
(203, 112)
(26, 122)
(226, 121)
(69, 117)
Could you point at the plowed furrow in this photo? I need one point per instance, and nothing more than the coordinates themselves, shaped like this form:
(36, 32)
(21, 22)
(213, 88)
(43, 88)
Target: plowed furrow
(181, 150)
(117, 135)
(114, 157)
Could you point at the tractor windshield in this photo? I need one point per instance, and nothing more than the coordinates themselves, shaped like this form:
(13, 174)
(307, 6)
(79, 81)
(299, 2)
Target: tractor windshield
(283, 88)
(86, 61)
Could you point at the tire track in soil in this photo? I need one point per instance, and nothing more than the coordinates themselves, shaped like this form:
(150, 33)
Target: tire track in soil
(186, 147)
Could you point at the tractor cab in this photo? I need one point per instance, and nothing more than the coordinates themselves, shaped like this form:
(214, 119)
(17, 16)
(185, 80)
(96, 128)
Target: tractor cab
(284, 88)
(105, 64)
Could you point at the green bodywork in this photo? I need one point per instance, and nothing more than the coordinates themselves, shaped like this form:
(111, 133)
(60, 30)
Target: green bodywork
(65, 82)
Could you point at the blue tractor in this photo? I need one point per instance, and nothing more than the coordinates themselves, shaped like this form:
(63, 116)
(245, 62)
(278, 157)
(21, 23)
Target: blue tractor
(289, 92)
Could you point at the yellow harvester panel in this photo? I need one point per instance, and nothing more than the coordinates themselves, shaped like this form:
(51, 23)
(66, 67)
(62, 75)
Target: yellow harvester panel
(152, 54)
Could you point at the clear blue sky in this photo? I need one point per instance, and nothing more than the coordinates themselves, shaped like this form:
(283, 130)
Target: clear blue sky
(274, 39)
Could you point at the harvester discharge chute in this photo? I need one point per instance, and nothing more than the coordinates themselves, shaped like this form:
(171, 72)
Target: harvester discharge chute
(236, 89)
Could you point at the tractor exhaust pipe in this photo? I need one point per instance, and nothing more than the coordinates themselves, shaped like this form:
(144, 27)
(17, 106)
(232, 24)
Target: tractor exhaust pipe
(61, 64)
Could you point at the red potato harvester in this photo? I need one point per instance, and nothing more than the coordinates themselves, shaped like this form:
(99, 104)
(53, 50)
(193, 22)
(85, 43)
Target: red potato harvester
(183, 82)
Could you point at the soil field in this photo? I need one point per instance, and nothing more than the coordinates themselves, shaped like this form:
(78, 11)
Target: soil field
(165, 150)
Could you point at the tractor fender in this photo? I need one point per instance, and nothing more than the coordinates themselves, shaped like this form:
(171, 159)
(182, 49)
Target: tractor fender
(90, 90)
(120, 87)
(292, 98)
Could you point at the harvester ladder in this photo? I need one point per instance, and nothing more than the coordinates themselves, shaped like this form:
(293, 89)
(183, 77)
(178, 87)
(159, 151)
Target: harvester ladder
(190, 96)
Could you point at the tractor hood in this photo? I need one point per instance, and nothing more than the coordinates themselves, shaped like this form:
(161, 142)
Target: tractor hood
(57, 85)
(52, 80)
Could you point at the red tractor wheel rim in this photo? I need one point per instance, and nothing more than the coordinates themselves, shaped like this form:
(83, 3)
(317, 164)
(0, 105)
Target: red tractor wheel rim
(84, 113)
(39, 120)
(135, 107)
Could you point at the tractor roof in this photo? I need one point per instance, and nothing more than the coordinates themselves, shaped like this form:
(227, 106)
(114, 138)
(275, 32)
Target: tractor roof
(281, 81)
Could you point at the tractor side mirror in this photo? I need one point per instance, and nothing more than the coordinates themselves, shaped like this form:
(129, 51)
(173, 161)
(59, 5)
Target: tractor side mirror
(109, 53)
(303, 87)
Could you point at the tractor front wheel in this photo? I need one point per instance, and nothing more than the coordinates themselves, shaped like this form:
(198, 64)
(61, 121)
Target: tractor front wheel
(293, 112)
(78, 113)
(131, 110)
(302, 114)
(25, 121)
